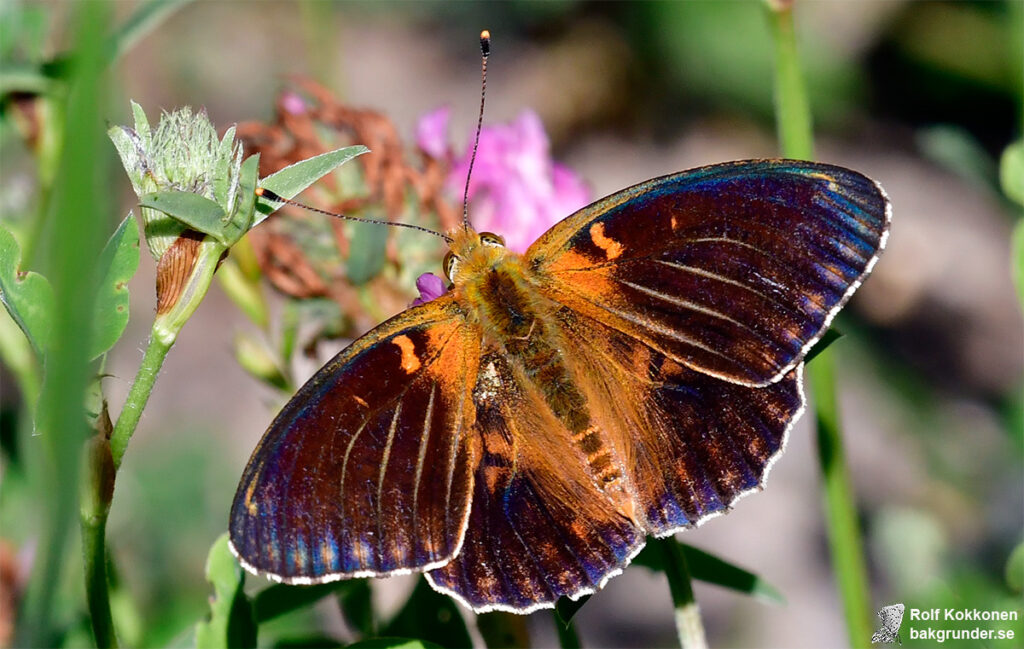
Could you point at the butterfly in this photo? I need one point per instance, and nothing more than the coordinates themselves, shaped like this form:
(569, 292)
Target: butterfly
(633, 373)
(891, 617)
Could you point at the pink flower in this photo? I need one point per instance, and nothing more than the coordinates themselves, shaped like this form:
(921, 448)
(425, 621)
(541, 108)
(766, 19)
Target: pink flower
(432, 133)
(293, 103)
(430, 287)
(517, 190)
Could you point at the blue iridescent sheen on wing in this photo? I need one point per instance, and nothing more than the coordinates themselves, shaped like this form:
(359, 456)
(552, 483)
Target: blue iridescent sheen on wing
(734, 269)
(368, 468)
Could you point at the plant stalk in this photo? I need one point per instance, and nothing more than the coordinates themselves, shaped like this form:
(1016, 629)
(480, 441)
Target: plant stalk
(840, 510)
(103, 464)
(687, 612)
(796, 137)
(96, 494)
(164, 333)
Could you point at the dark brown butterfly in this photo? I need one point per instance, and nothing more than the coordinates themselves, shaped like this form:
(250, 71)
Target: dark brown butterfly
(635, 372)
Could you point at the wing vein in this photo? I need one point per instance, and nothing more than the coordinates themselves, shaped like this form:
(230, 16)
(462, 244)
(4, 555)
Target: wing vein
(380, 480)
(424, 439)
(651, 326)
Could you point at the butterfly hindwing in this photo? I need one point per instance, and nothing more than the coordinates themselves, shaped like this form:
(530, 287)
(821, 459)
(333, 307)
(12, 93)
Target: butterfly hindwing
(368, 470)
(696, 443)
(734, 270)
(539, 528)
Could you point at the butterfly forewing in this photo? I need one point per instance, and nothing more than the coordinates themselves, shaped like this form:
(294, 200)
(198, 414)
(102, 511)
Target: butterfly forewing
(734, 269)
(368, 469)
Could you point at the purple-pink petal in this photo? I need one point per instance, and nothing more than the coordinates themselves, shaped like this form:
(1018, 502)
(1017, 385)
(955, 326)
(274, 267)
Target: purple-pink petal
(432, 132)
(517, 190)
(430, 287)
(293, 103)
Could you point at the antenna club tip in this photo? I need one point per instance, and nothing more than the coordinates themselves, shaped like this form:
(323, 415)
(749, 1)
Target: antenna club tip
(485, 42)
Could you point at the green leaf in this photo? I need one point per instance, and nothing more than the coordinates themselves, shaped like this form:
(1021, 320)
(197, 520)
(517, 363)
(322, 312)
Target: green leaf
(830, 337)
(279, 599)
(713, 570)
(118, 262)
(308, 642)
(1011, 172)
(25, 78)
(566, 608)
(195, 211)
(503, 630)
(367, 251)
(231, 622)
(395, 643)
(291, 180)
(254, 357)
(1015, 569)
(245, 205)
(430, 616)
(27, 296)
(357, 607)
(142, 21)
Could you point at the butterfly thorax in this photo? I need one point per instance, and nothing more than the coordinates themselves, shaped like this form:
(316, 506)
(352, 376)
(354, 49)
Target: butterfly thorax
(497, 290)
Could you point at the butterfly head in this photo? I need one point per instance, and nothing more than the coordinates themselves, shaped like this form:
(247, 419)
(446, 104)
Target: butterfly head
(472, 253)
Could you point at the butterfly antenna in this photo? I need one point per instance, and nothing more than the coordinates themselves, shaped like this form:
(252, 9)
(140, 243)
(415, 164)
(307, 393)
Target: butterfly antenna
(271, 196)
(485, 51)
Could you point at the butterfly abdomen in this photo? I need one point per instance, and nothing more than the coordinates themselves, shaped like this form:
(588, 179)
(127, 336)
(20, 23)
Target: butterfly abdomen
(522, 323)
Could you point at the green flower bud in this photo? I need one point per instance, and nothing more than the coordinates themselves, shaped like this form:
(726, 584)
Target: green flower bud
(185, 154)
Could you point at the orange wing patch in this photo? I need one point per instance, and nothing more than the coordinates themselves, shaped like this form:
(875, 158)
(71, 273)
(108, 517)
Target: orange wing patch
(611, 247)
(410, 363)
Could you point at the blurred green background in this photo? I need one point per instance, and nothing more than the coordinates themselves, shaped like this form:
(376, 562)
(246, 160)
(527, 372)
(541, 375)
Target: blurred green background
(921, 96)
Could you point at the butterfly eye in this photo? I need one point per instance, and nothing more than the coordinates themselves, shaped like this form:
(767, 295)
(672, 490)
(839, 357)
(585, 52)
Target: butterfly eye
(491, 239)
(448, 265)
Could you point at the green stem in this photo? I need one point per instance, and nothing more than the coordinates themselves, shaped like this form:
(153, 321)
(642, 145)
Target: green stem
(687, 613)
(797, 141)
(792, 109)
(152, 361)
(840, 510)
(164, 333)
(96, 493)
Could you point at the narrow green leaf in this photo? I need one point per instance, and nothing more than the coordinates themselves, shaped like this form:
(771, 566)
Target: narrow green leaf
(503, 630)
(308, 642)
(118, 262)
(566, 609)
(430, 616)
(367, 251)
(195, 211)
(245, 205)
(279, 599)
(25, 78)
(395, 643)
(1015, 569)
(254, 357)
(27, 296)
(231, 622)
(294, 178)
(143, 20)
(1011, 172)
(830, 337)
(708, 568)
(142, 126)
(357, 608)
